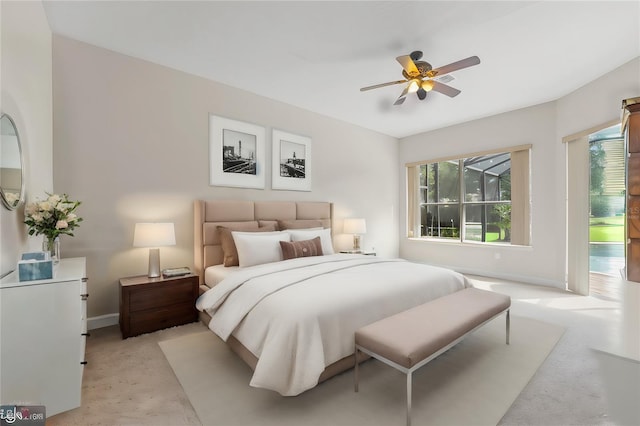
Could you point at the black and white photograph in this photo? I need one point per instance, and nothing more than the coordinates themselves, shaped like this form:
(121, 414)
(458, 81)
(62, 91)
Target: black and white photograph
(236, 153)
(291, 161)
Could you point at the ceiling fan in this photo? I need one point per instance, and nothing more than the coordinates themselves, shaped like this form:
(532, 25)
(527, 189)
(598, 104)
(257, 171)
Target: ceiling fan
(421, 76)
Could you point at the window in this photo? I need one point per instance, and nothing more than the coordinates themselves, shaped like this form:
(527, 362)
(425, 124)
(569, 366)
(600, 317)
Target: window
(470, 198)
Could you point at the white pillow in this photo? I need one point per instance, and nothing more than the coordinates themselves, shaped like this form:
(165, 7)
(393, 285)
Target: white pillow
(256, 248)
(307, 234)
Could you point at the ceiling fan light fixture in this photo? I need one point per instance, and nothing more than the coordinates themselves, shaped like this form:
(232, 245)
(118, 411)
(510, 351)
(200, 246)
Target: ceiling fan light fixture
(414, 85)
(427, 85)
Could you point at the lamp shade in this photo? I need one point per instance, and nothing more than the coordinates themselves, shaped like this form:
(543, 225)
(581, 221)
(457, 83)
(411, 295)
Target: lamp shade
(355, 226)
(154, 235)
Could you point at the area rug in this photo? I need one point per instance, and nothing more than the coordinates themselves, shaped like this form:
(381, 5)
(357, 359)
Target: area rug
(474, 383)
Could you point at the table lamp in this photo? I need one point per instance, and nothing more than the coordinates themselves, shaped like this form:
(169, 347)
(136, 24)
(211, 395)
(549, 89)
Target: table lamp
(355, 226)
(154, 235)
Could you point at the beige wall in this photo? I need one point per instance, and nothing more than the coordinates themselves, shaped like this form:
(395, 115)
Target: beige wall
(25, 83)
(599, 101)
(131, 142)
(543, 126)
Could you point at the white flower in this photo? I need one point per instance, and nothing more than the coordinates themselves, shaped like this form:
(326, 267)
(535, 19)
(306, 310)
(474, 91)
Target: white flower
(30, 209)
(64, 207)
(71, 217)
(12, 198)
(46, 206)
(54, 199)
(61, 224)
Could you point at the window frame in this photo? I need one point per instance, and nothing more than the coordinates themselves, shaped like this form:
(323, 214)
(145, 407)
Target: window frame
(520, 197)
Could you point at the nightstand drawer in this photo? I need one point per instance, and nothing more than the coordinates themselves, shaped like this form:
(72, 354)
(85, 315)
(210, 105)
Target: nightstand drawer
(150, 298)
(157, 319)
(150, 304)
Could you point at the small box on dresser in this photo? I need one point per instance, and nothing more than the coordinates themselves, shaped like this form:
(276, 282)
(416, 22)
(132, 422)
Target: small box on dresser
(151, 304)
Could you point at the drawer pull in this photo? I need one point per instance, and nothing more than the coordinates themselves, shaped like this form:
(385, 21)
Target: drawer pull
(84, 296)
(83, 362)
(86, 334)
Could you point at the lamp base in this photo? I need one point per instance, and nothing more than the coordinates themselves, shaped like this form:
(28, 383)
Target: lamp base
(356, 242)
(154, 263)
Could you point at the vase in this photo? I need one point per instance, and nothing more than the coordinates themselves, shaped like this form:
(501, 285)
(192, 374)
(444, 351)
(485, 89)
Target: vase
(52, 246)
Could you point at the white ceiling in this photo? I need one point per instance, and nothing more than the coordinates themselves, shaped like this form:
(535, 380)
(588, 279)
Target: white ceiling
(316, 55)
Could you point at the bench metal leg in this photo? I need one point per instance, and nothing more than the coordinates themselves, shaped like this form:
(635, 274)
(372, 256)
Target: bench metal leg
(508, 325)
(409, 374)
(409, 371)
(355, 375)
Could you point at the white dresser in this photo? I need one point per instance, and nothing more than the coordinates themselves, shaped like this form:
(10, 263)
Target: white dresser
(43, 329)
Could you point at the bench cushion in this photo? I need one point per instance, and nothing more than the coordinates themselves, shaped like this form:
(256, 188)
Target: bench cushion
(413, 335)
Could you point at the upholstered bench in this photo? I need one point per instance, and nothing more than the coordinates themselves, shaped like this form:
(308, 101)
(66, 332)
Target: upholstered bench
(410, 339)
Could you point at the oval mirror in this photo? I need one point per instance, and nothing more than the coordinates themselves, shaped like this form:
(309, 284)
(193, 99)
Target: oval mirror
(11, 170)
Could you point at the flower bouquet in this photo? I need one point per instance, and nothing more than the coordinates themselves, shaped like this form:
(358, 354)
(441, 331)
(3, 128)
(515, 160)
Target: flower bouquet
(52, 217)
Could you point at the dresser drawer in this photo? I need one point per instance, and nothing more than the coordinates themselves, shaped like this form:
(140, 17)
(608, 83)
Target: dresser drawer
(171, 293)
(157, 319)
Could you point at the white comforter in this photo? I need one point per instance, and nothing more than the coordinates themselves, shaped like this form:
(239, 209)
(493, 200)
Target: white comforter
(299, 316)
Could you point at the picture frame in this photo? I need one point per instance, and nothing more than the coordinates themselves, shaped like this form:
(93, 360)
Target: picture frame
(291, 161)
(236, 153)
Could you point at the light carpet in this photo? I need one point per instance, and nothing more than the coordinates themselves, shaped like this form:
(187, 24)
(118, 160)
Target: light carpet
(474, 383)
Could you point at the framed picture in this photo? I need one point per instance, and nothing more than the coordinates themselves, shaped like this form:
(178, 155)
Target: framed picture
(236, 153)
(291, 163)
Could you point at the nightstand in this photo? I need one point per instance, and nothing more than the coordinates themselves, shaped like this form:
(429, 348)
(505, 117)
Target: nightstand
(150, 304)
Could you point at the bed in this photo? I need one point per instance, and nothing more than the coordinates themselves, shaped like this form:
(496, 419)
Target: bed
(293, 321)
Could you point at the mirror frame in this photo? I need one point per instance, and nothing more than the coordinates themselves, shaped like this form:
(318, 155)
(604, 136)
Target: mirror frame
(5, 201)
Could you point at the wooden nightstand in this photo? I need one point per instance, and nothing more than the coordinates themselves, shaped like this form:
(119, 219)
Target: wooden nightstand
(150, 304)
(366, 253)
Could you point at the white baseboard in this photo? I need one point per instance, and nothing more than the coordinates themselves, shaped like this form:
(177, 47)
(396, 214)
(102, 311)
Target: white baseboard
(102, 321)
(512, 277)
(508, 277)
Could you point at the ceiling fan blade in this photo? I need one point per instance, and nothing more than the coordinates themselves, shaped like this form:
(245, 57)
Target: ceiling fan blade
(445, 89)
(402, 96)
(408, 65)
(376, 86)
(454, 66)
(400, 100)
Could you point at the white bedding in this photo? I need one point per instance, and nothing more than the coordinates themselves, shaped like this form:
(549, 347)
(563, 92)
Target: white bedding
(299, 316)
(216, 273)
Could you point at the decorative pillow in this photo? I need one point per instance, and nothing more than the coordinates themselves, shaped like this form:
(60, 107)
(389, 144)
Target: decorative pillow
(256, 248)
(228, 245)
(291, 250)
(299, 224)
(306, 234)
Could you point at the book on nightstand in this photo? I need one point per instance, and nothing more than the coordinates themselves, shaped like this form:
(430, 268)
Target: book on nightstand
(175, 272)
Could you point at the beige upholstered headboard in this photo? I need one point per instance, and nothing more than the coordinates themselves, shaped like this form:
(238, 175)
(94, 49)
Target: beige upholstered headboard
(208, 215)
